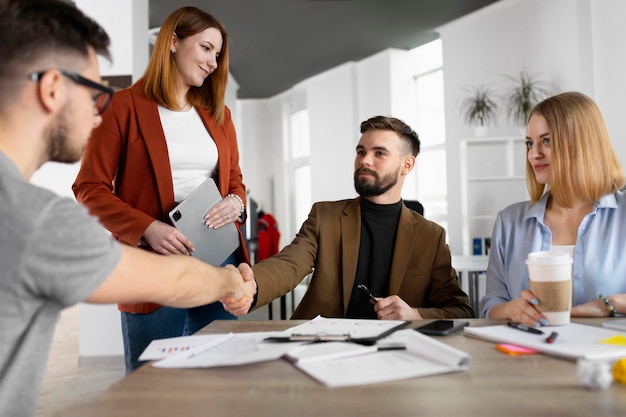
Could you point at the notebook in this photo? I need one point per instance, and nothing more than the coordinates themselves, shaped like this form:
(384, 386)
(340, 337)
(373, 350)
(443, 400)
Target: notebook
(211, 245)
(574, 340)
(618, 324)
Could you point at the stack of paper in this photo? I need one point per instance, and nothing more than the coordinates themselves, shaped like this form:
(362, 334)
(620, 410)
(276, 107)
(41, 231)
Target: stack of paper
(401, 355)
(574, 341)
(422, 356)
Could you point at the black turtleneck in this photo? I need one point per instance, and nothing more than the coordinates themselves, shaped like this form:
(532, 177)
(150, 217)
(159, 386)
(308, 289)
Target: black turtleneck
(379, 223)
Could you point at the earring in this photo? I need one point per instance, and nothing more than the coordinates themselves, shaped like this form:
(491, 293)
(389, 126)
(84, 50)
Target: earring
(172, 51)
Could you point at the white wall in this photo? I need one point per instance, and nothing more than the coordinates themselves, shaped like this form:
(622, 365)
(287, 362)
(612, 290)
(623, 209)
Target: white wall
(334, 132)
(609, 66)
(260, 139)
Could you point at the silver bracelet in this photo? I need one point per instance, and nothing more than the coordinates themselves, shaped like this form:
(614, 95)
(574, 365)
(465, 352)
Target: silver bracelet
(243, 207)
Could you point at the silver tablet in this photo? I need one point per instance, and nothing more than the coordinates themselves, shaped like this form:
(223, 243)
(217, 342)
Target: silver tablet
(211, 245)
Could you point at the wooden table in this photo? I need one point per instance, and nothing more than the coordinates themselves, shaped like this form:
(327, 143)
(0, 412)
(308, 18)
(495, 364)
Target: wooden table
(495, 385)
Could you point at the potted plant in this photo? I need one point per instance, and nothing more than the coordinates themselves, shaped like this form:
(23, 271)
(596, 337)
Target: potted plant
(520, 99)
(479, 109)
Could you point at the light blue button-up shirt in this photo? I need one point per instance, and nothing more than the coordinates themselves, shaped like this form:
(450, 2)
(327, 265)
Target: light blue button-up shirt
(599, 255)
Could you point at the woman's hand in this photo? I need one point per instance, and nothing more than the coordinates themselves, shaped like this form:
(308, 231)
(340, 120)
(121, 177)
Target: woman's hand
(226, 211)
(596, 308)
(521, 310)
(167, 240)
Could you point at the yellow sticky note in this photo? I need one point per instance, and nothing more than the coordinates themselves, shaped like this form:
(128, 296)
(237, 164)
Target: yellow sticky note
(619, 340)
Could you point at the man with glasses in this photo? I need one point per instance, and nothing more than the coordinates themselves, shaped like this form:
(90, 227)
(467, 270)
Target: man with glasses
(101, 99)
(53, 254)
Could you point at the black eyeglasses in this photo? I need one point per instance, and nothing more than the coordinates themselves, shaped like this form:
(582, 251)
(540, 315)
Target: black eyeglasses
(100, 100)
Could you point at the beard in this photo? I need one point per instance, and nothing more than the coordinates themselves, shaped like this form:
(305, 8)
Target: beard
(58, 140)
(380, 185)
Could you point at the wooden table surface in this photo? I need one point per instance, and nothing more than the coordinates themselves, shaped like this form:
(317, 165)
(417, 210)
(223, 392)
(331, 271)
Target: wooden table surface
(496, 384)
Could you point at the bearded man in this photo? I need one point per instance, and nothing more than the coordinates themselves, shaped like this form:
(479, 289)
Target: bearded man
(371, 242)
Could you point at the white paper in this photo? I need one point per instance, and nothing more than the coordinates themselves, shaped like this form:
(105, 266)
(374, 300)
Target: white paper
(238, 349)
(424, 356)
(162, 348)
(324, 351)
(356, 328)
(425, 346)
(574, 340)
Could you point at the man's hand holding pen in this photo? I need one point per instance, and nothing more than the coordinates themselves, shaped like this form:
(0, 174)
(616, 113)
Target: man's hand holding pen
(392, 307)
(395, 308)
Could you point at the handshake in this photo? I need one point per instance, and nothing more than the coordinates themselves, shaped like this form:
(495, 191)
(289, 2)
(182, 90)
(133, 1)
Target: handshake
(240, 301)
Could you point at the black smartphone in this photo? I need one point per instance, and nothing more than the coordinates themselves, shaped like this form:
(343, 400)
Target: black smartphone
(442, 327)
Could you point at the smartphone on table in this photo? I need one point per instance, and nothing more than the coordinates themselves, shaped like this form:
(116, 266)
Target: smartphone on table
(442, 327)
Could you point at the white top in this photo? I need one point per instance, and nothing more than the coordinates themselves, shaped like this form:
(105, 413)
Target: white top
(569, 249)
(192, 151)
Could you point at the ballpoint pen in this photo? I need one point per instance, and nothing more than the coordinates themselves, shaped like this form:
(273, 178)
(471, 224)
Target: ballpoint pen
(368, 293)
(524, 328)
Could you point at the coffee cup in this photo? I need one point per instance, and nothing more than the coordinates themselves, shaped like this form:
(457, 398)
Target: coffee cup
(550, 276)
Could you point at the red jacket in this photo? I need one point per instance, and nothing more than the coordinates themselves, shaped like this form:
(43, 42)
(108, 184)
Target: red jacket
(267, 237)
(125, 177)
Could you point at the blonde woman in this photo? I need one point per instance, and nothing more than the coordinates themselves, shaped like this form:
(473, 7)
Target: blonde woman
(576, 205)
(158, 141)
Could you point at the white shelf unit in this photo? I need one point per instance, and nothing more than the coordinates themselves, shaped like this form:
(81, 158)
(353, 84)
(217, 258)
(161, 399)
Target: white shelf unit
(493, 175)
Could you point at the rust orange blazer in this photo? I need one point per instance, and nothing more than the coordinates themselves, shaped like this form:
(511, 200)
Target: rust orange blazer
(125, 177)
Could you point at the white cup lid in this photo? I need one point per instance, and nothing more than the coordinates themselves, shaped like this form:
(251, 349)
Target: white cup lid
(548, 258)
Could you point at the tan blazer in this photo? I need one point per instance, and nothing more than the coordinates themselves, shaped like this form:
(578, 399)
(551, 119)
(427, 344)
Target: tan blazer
(328, 245)
(125, 177)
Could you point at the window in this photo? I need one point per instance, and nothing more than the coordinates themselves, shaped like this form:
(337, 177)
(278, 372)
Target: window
(431, 173)
(298, 169)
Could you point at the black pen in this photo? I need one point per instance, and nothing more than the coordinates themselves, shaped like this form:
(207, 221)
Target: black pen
(524, 328)
(368, 293)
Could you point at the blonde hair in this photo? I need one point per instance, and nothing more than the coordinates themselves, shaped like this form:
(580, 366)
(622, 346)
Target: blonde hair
(160, 76)
(584, 164)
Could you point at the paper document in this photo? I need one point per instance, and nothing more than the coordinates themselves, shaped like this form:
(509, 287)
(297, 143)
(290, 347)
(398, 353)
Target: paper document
(365, 331)
(574, 340)
(227, 350)
(618, 324)
(162, 348)
(400, 355)
(317, 352)
(423, 356)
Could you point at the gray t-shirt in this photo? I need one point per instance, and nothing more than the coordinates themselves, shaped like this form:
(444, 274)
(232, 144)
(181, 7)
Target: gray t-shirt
(52, 255)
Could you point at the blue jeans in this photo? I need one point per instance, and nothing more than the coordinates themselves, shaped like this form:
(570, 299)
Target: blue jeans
(138, 330)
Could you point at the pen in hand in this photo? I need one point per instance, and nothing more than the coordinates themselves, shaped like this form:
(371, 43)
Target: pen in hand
(368, 293)
(524, 328)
